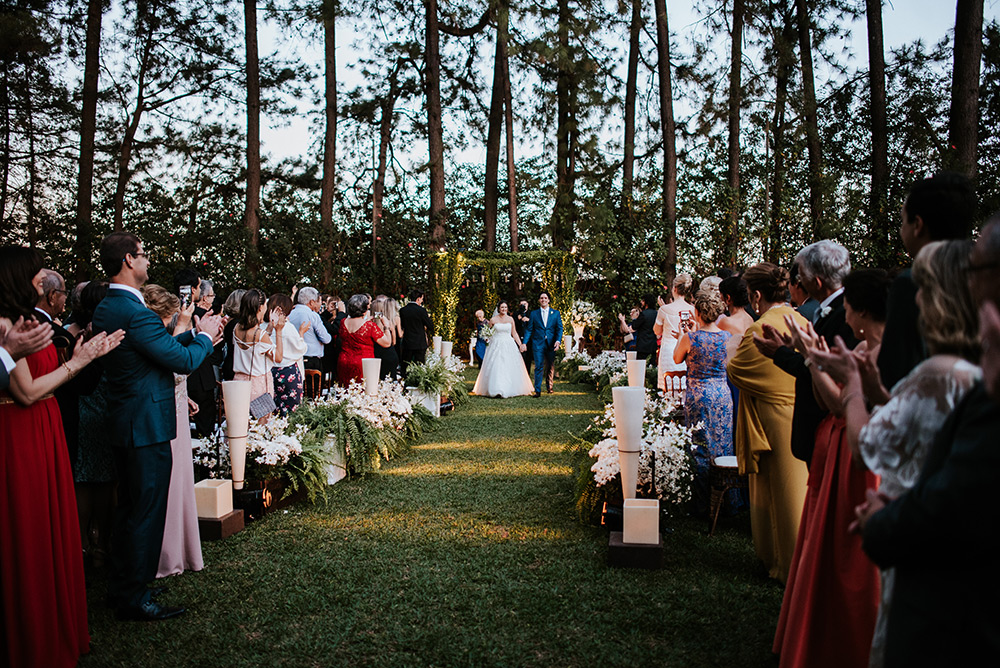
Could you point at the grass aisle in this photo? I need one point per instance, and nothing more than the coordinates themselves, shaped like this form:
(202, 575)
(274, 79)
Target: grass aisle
(466, 552)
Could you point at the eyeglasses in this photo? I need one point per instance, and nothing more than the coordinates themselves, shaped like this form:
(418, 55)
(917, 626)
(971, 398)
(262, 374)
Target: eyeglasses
(58, 290)
(145, 254)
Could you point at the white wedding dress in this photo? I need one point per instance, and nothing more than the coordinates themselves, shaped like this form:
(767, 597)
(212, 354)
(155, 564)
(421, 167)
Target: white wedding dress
(503, 373)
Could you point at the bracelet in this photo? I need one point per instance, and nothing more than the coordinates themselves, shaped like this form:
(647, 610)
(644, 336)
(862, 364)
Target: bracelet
(69, 371)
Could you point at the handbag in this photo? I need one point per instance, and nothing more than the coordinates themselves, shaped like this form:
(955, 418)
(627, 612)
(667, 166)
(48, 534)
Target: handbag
(263, 405)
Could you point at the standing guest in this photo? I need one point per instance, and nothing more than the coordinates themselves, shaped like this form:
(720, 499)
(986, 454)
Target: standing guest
(207, 291)
(822, 268)
(257, 348)
(358, 336)
(201, 384)
(479, 351)
(231, 310)
(181, 548)
(707, 399)
(333, 314)
(417, 329)
(710, 283)
(829, 608)
(803, 302)
(390, 360)
(733, 291)
(521, 318)
(19, 340)
(392, 310)
(43, 597)
(764, 426)
(626, 327)
(287, 375)
(643, 328)
(893, 442)
(543, 336)
(94, 467)
(316, 335)
(143, 421)
(940, 536)
(936, 208)
(51, 305)
(73, 302)
(668, 321)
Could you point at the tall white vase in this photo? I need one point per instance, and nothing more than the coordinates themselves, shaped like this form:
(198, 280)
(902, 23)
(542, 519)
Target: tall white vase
(577, 334)
(446, 347)
(236, 398)
(369, 368)
(636, 373)
(436, 343)
(567, 342)
(630, 355)
(629, 404)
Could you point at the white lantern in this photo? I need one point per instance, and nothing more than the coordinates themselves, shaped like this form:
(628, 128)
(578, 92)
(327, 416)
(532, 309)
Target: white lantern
(629, 405)
(370, 367)
(636, 373)
(236, 398)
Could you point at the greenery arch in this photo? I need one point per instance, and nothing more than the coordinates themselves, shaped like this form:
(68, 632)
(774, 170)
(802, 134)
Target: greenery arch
(447, 273)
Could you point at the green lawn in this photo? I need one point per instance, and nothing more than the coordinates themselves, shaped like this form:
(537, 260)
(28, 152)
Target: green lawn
(465, 552)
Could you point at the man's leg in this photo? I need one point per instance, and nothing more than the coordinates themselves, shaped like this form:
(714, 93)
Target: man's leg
(539, 354)
(550, 368)
(143, 482)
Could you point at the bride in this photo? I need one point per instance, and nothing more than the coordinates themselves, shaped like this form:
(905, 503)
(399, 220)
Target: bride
(502, 373)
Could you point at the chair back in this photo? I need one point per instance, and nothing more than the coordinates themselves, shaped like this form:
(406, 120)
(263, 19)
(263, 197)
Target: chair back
(314, 383)
(674, 383)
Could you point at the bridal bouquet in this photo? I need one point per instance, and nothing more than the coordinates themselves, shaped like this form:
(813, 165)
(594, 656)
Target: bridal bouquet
(487, 332)
(584, 313)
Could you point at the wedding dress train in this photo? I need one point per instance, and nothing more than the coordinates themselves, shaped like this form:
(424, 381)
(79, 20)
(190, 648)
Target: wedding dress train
(503, 373)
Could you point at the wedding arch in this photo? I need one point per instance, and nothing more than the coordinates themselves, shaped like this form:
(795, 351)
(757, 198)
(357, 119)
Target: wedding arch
(448, 273)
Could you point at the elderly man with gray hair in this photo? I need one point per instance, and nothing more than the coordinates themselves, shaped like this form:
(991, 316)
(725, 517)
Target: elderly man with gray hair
(822, 268)
(316, 335)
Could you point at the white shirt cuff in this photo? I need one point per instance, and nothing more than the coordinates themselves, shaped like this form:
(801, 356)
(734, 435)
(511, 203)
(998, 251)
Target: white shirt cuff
(8, 361)
(206, 334)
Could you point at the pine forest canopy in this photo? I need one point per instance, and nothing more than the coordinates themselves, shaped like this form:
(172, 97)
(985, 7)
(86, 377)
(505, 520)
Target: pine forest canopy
(609, 129)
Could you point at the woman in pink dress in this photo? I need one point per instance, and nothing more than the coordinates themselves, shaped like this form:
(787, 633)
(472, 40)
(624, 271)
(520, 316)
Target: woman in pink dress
(181, 548)
(358, 338)
(43, 599)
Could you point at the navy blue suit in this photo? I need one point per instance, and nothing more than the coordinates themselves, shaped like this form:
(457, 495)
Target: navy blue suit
(143, 419)
(541, 339)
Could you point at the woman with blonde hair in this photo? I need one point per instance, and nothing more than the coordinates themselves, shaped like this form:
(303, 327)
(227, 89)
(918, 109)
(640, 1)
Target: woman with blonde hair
(389, 356)
(763, 440)
(668, 326)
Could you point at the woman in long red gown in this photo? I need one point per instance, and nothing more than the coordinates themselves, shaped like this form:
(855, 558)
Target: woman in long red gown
(43, 599)
(358, 338)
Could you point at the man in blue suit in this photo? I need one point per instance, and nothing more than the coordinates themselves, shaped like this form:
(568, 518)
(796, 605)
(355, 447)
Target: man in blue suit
(141, 412)
(543, 333)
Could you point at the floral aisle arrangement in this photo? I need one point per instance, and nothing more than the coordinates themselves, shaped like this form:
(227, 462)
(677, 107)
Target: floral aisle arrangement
(365, 429)
(666, 468)
(279, 449)
(584, 313)
(439, 376)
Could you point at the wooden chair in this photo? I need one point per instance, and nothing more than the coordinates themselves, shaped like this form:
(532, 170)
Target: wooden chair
(723, 475)
(313, 383)
(674, 383)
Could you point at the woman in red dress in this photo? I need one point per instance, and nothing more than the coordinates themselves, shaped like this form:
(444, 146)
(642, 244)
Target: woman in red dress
(43, 600)
(358, 337)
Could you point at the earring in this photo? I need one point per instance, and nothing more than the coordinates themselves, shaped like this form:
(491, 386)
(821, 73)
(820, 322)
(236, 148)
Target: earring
(861, 332)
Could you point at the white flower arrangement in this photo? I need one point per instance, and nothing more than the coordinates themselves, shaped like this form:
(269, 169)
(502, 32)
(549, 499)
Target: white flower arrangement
(610, 362)
(389, 408)
(584, 313)
(666, 446)
(580, 357)
(270, 444)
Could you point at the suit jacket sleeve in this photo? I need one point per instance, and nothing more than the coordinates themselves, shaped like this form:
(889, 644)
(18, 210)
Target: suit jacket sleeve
(428, 323)
(948, 511)
(559, 327)
(791, 362)
(4, 377)
(528, 328)
(181, 355)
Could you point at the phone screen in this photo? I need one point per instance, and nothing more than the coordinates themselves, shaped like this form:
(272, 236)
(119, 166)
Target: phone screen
(185, 295)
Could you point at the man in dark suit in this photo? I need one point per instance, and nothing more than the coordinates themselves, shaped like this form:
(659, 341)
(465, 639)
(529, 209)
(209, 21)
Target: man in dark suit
(417, 329)
(51, 305)
(24, 338)
(141, 412)
(936, 208)
(642, 329)
(201, 384)
(521, 319)
(822, 268)
(543, 336)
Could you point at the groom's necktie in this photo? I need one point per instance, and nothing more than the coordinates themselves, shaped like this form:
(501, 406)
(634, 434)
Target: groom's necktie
(545, 317)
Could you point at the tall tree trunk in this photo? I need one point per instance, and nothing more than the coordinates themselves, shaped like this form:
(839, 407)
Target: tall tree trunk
(329, 141)
(5, 156)
(630, 92)
(385, 137)
(812, 128)
(435, 134)
(491, 191)
(509, 126)
(88, 129)
(32, 162)
(564, 192)
(668, 215)
(964, 117)
(128, 139)
(735, 102)
(783, 41)
(252, 216)
(878, 209)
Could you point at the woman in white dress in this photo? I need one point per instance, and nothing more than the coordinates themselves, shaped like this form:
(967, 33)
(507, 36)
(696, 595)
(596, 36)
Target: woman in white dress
(668, 326)
(503, 373)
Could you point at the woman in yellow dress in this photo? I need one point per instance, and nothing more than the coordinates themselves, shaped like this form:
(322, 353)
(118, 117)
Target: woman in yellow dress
(763, 437)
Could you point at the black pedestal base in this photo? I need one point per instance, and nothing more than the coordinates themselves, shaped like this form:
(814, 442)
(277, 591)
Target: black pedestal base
(632, 555)
(211, 528)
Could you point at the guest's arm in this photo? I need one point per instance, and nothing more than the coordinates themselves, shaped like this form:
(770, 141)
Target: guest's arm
(681, 351)
(319, 329)
(27, 389)
(181, 355)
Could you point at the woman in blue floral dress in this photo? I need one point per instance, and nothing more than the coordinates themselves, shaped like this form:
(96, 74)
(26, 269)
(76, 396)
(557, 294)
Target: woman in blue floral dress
(707, 399)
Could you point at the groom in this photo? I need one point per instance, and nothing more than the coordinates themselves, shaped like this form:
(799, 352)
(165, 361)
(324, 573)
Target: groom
(543, 333)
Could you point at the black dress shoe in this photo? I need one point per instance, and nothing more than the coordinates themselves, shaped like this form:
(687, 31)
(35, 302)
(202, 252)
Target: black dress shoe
(150, 611)
(157, 592)
(537, 394)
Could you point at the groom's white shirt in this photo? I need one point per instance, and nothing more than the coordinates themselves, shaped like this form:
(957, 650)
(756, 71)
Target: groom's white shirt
(545, 317)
